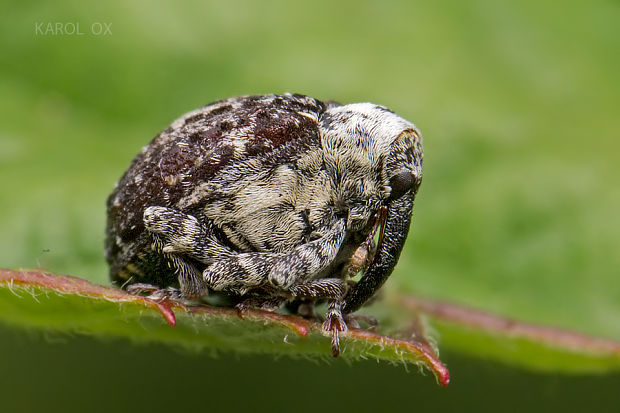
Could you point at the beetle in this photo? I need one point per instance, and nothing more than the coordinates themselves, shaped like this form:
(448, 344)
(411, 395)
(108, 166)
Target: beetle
(268, 199)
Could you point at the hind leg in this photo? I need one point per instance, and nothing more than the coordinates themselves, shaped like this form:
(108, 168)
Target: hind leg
(180, 233)
(180, 236)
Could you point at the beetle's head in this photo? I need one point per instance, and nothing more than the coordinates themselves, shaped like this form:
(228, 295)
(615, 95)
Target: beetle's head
(374, 157)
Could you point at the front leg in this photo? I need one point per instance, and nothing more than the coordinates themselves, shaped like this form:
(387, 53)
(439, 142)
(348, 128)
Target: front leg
(244, 272)
(289, 274)
(334, 289)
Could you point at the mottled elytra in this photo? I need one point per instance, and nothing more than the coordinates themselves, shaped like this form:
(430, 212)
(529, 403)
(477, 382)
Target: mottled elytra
(268, 200)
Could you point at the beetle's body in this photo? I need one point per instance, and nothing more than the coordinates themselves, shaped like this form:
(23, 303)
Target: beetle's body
(266, 197)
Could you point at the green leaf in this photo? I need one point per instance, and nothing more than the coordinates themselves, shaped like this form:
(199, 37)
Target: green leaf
(36, 299)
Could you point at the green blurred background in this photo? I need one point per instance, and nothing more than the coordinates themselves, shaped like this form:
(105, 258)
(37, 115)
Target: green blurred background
(518, 103)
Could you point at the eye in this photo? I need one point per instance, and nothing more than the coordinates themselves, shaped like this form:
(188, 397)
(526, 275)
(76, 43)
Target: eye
(400, 183)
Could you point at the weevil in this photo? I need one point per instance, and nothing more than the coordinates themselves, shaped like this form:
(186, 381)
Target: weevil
(268, 199)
